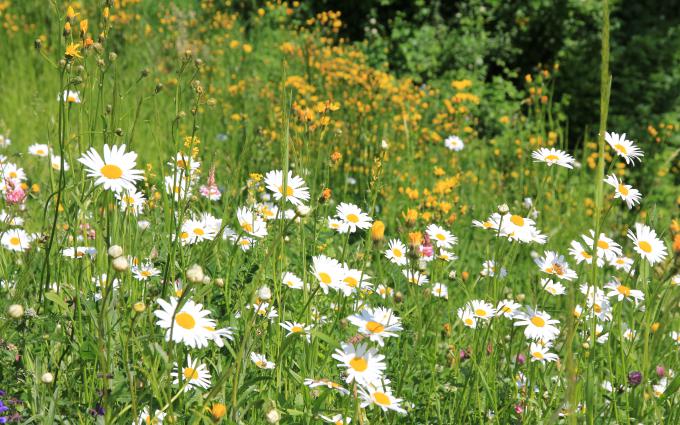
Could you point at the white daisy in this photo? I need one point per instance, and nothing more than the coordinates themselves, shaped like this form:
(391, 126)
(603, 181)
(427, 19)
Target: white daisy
(251, 223)
(377, 324)
(296, 328)
(328, 272)
(554, 264)
(541, 353)
(553, 156)
(538, 324)
(440, 290)
(352, 218)
(468, 317)
(16, 240)
(189, 325)
(115, 171)
(647, 244)
(454, 143)
(291, 280)
(442, 237)
(261, 361)
(625, 192)
(396, 252)
(39, 149)
(361, 364)
(193, 375)
(295, 191)
(131, 201)
(377, 394)
(624, 148)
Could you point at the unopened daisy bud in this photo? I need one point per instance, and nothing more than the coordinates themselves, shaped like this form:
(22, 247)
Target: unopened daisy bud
(15, 311)
(384, 144)
(206, 280)
(47, 378)
(113, 56)
(120, 264)
(273, 416)
(195, 274)
(115, 251)
(187, 54)
(302, 210)
(520, 297)
(218, 410)
(139, 307)
(264, 293)
(198, 62)
(452, 274)
(378, 231)
(503, 208)
(219, 282)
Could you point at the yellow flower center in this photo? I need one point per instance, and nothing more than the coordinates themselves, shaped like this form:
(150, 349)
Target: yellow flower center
(517, 220)
(351, 282)
(296, 329)
(645, 246)
(352, 218)
(538, 321)
(552, 157)
(325, 278)
(261, 364)
(247, 227)
(440, 237)
(381, 398)
(185, 320)
(359, 364)
(480, 312)
(190, 374)
(538, 355)
(289, 191)
(183, 235)
(198, 231)
(40, 152)
(469, 321)
(620, 148)
(147, 273)
(623, 189)
(602, 244)
(374, 327)
(111, 171)
(397, 252)
(623, 290)
(586, 255)
(15, 241)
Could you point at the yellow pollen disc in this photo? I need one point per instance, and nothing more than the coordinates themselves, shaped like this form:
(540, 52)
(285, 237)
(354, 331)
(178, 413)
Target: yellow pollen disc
(552, 157)
(469, 321)
(13, 174)
(538, 355)
(70, 99)
(381, 398)
(352, 218)
(129, 200)
(15, 241)
(586, 255)
(374, 327)
(183, 235)
(517, 220)
(397, 252)
(487, 224)
(538, 321)
(623, 189)
(619, 261)
(296, 329)
(261, 363)
(181, 163)
(145, 273)
(289, 191)
(623, 290)
(597, 308)
(185, 320)
(602, 244)
(325, 278)
(480, 312)
(111, 171)
(645, 246)
(620, 148)
(359, 364)
(198, 231)
(351, 282)
(190, 374)
(247, 227)
(40, 152)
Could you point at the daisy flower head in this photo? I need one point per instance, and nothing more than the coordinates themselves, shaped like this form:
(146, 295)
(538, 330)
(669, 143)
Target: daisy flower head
(16, 240)
(55, 163)
(624, 192)
(361, 364)
(146, 418)
(377, 394)
(328, 272)
(261, 361)
(69, 96)
(131, 201)
(647, 244)
(79, 252)
(189, 324)
(145, 272)
(296, 328)
(540, 353)
(199, 229)
(440, 290)
(337, 419)
(179, 187)
(605, 247)
(296, 191)
(115, 171)
(581, 254)
(489, 269)
(553, 156)
(481, 309)
(508, 308)
(12, 173)
(185, 164)
(441, 237)
(553, 288)
(264, 310)
(622, 292)
(554, 264)
(251, 222)
(193, 375)
(353, 280)
(384, 291)
(622, 263)
(396, 252)
(624, 148)
(352, 218)
(39, 149)
(377, 324)
(538, 324)
(292, 281)
(218, 334)
(467, 317)
(454, 143)
(335, 224)
(414, 277)
(323, 382)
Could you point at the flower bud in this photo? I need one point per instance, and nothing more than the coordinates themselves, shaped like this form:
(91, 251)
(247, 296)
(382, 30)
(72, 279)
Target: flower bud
(302, 210)
(120, 264)
(115, 251)
(139, 307)
(503, 208)
(273, 416)
(47, 378)
(195, 274)
(15, 311)
(264, 293)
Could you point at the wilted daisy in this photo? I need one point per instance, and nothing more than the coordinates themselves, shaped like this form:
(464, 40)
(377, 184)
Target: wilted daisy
(538, 324)
(16, 240)
(377, 394)
(623, 147)
(554, 264)
(131, 201)
(115, 171)
(290, 280)
(296, 191)
(352, 218)
(261, 361)
(454, 143)
(328, 272)
(441, 237)
(193, 375)
(39, 149)
(361, 364)
(540, 353)
(323, 382)
(625, 192)
(377, 324)
(468, 317)
(622, 292)
(647, 244)
(440, 290)
(145, 272)
(146, 418)
(553, 156)
(189, 325)
(396, 252)
(296, 328)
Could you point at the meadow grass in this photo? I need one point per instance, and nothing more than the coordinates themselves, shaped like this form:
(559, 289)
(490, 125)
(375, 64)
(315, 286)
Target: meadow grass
(327, 241)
